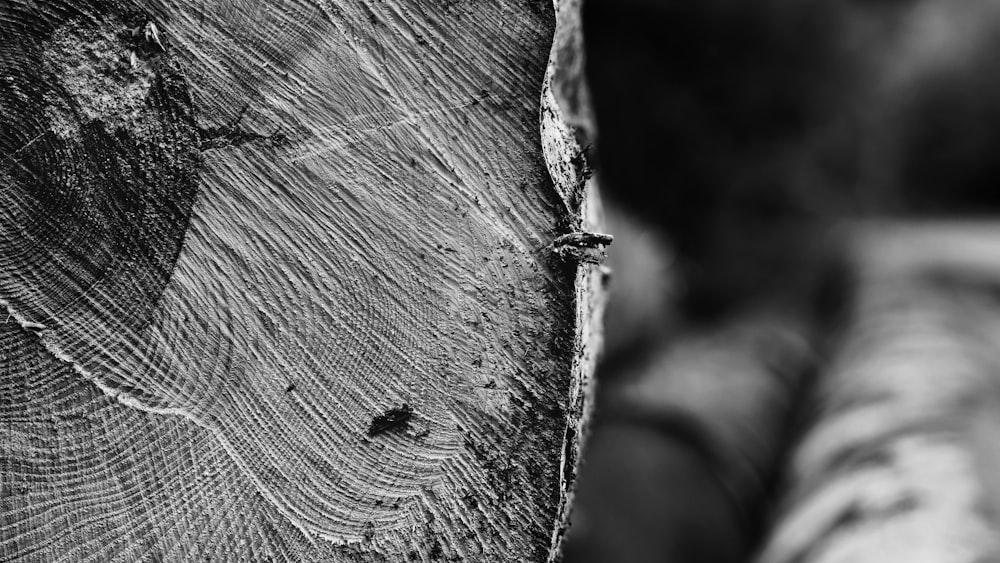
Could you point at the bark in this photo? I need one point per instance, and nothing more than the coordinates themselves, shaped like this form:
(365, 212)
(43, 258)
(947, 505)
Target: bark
(279, 283)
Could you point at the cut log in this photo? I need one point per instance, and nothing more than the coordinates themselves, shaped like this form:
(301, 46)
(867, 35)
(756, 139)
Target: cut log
(279, 285)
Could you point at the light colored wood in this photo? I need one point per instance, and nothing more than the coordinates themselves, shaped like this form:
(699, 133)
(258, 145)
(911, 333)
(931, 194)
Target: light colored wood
(224, 258)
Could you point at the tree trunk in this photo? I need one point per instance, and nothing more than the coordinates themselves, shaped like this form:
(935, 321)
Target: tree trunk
(279, 283)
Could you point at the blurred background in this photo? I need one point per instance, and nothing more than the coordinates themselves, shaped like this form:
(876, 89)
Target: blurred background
(801, 339)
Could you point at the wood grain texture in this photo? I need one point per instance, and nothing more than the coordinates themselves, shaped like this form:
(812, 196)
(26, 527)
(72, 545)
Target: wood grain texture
(225, 252)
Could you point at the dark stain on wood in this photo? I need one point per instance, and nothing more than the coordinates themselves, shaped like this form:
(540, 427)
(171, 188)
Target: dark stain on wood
(392, 419)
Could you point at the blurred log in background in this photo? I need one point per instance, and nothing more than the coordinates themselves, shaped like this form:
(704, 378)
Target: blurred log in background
(801, 359)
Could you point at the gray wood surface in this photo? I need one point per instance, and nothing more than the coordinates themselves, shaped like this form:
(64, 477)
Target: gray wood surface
(237, 237)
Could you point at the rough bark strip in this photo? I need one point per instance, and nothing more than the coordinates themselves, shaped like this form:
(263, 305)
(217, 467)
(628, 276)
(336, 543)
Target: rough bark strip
(337, 209)
(566, 126)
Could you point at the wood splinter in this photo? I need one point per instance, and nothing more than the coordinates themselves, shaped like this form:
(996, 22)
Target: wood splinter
(582, 246)
(33, 326)
(150, 34)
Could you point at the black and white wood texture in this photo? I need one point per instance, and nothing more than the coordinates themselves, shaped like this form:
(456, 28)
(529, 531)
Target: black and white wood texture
(237, 238)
